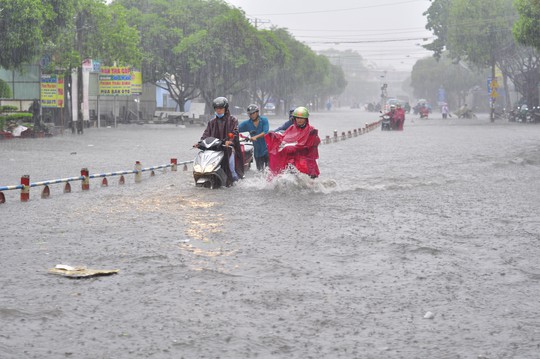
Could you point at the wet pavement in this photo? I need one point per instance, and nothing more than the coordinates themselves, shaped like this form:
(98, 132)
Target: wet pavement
(442, 217)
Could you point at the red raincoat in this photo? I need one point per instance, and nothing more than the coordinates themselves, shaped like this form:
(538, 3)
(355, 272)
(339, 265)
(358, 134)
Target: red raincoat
(296, 146)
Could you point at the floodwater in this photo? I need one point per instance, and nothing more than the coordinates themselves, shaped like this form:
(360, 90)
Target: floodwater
(443, 217)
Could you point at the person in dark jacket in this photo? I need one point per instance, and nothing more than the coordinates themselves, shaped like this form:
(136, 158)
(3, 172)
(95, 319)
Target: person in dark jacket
(289, 122)
(224, 126)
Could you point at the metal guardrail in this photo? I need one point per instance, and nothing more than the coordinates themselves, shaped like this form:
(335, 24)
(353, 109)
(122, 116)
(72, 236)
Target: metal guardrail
(85, 179)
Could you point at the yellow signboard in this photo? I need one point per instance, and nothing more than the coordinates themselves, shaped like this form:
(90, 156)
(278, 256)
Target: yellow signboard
(52, 91)
(115, 80)
(136, 82)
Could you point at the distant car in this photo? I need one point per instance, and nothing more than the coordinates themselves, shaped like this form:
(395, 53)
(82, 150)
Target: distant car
(270, 108)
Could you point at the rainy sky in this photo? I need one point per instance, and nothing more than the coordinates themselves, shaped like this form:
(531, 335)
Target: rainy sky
(384, 32)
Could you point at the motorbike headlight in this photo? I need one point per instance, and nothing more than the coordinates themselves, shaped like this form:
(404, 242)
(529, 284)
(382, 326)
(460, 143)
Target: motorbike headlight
(197, 168)
(212, 166)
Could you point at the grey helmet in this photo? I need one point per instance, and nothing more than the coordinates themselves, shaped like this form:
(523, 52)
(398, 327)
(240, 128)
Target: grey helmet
(220, 102)
(252, 109)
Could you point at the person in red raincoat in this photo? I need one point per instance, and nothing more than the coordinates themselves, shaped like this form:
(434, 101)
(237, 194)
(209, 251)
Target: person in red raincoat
(400, 117)
(297, 146)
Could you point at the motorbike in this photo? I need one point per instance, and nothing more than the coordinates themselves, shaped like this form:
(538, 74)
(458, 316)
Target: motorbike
(207, 170)
(424, 112)
(468, 114)
(534, 116)
(247, 149)
(386, 123)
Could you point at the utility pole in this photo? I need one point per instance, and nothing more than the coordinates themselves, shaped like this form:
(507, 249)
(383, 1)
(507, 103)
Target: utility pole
(256, 21)
(493, 84)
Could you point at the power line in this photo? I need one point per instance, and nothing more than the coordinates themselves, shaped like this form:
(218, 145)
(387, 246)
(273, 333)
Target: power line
(341, 10)
(361, 30)
(369, 41)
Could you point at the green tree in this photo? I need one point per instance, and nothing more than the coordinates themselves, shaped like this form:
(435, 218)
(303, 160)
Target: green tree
(96, 31)
(522, 67)
(437, 21)
(227, 56)
(207, 48)
(5, 90)
(20, 25)
(527, 28)
(270, 55)
(456, 78)
(478, 31)
(192, 47)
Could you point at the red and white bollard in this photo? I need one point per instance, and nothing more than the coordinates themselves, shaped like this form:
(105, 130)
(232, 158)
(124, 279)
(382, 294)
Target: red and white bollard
(46, 193)
(85, 184)
(138, 173)
(335, 136)
(174, 164)
(25, 190)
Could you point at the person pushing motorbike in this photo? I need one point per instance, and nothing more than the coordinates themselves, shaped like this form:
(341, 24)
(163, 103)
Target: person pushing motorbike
(393, 116)
(257, 127)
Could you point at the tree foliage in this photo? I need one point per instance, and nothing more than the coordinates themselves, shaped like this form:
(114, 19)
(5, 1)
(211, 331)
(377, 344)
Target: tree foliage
(457, 79)
(66, 31)
(482, 32)
(20, 28)
(193, 47)
(437, 21)
(5, 90)
(209, 49)
(479, 30)
(527, 28)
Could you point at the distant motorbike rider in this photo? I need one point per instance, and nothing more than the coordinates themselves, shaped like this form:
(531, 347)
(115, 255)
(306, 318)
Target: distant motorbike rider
(465, 112)
(224, 126)
(393, 116)
(297, 145)
(400, 117)
(289, 122)
(257, 127)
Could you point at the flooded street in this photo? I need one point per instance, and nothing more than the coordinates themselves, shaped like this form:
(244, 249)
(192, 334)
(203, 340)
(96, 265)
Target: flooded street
(443, 217)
